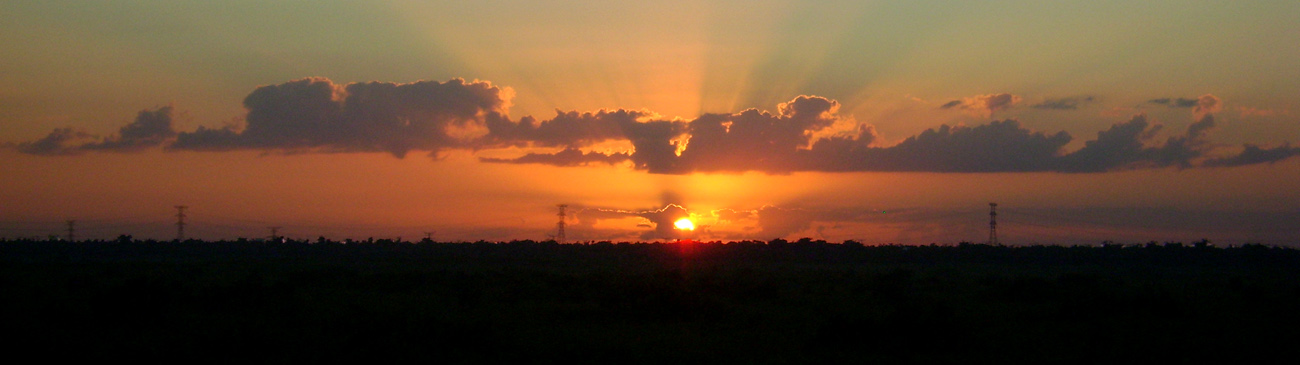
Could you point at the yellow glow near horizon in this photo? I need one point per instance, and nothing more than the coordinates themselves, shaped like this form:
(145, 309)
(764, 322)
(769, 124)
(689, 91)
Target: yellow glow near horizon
(684, 224)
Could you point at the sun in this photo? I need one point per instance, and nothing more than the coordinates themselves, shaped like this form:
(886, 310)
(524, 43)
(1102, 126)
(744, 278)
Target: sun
(684, 224)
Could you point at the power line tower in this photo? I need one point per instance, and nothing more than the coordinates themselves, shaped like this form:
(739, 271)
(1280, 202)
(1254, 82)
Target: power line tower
(993, 223)
(559, 227)
(428, 236)
(180, 222)
(72, 230)
(275, 233)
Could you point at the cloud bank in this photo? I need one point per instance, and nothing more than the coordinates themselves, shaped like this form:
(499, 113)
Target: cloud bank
(807, 133)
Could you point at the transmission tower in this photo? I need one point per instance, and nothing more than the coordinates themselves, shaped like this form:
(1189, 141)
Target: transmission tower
(559, 227)
(275, 236)
(180, 222)
(993, 223)
(72, 230)
(428, 236)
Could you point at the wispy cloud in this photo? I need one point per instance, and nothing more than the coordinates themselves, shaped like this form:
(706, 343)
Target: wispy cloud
(984, 105)
(1069, 103)
(1174, 102)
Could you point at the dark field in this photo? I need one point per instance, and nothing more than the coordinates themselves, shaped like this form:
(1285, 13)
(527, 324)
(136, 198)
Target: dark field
(748, 302)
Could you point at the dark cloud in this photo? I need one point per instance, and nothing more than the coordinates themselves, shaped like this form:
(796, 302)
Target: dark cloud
(569, 128)
(1207, 104)
(995, 147)
(1070, 103)
(748, 140)
(1175, 102)
(1121, 145)
(60, 142)
(984, 105)
(1181, 151)
(317, 115)
(566, 157)
(754, 140)
(1126, 146)
(209, 139)
(653, 140)
(151, 128)
(1254, 154)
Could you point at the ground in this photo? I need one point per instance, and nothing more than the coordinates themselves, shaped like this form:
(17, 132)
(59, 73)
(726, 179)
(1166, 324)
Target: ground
(752, 302)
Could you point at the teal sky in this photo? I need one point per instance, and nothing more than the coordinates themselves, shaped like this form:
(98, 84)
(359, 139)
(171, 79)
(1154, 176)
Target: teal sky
(893, 65)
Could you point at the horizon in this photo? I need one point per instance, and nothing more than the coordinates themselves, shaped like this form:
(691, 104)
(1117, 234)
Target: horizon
(124, 238)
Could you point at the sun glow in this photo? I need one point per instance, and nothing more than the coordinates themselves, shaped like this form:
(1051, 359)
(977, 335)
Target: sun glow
(684, 224)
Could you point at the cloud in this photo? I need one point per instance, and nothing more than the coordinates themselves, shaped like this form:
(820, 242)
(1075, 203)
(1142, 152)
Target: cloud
(566, 157)
(764, 223)
(1120, 146)
(60, 142)
(755, 140)
(317, 115)
(807, 133)
(1000, 146)
(732, 215)
(659, 220)
(939, 225)
(1175, 102)
(663, 220)
(1253, 154)
(151, 128)
(1246, 111)
(777, 222)
(569, 128)
(984, 105)
(654, 141)
(994, 147)
(1127, 146)
(1181, 151)
(748, 140)
(1207, 104)
(1070, 103)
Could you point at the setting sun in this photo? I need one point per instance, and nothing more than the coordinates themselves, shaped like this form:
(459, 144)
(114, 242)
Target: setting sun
(684, 224)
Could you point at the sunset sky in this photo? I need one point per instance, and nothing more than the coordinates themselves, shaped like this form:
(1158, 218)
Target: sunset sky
(877, 121)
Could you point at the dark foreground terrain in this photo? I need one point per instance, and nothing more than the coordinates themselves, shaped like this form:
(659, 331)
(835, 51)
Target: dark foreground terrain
(749, 302)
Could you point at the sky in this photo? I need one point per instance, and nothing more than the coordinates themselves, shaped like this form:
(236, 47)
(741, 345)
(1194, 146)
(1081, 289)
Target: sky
(876, 121)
